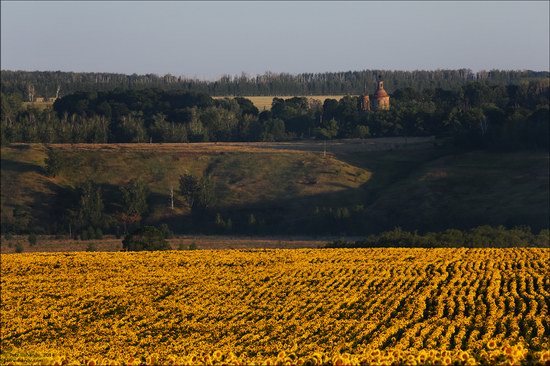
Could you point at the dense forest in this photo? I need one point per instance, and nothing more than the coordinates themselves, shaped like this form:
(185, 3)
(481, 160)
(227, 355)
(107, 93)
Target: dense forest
(52, 84)
(476, 114)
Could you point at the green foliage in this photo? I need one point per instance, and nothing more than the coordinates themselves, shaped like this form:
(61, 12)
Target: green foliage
(32, 239)
(327, 130)
(19, 248)
(134, 199)
(163, 130)
(361, 132)
(88, 217)
(21, 219)
(166, 231)
(199, 193)
(131, 128)
(91, 247)
(479, 237)
(54, 161)
(146, 238)
(189, 186)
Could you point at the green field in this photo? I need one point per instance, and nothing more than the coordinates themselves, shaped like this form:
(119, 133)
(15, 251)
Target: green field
(422, 188)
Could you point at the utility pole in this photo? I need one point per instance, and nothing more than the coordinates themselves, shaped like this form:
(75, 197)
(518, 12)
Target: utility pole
(172, 197)
(30, 92)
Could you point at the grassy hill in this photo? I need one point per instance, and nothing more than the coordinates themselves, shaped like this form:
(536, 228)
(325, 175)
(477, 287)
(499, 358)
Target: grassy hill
(348, 191)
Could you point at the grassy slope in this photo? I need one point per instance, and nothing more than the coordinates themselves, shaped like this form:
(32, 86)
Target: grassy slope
(244, 176)
(422, 188)
(469, 189)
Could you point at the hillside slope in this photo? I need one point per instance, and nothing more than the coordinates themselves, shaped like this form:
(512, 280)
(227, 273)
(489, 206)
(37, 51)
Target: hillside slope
(246, 178)
(467, 190)
(288, 191)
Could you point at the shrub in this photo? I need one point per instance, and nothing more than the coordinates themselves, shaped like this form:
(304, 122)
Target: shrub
(54, 162)
(98, 234)
(91, 247)
(19, 248)
(166, 230)
(32, 239)
(146, 238)
(84, 235)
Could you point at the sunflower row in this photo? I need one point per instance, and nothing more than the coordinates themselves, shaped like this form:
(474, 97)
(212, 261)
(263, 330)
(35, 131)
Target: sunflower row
(491, 355)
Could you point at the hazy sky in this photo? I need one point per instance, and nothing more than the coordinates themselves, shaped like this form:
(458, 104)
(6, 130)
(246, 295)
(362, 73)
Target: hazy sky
(208, 39)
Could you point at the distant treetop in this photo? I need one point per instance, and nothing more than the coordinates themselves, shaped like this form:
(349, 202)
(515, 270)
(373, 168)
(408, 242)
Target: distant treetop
(50, 84)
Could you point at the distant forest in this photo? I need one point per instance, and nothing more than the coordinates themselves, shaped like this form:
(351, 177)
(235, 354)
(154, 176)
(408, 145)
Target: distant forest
(475, 115)
(499, 109)
(49, 84)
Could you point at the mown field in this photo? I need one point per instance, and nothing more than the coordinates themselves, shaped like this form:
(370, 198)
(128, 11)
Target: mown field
(303, 306)
(264, 102)
(261, 102)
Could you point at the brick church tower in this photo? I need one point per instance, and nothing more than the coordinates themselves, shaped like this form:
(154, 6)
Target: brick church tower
(381, 98)
(380, 101)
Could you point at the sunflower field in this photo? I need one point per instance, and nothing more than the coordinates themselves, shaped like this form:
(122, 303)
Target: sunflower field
(290, 307)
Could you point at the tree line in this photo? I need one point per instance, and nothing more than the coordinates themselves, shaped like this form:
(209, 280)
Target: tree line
(30, 85)
(478, 237)
(476, 114)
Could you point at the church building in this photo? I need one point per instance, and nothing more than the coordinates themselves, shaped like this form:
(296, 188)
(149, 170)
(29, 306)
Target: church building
(380, 100)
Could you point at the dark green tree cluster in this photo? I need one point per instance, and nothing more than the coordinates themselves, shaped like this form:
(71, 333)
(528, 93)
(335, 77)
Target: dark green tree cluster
(198, 192)
(146, 238)
(50, 84)
(479, 237)
(83, 213)
(87, 218)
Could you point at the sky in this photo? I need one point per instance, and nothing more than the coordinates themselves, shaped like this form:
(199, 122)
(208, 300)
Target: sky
(208, 39)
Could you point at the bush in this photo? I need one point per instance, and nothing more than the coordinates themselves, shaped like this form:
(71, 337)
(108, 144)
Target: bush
(146, 238)
(54, 162)
(98, 234)
(19, 248)
(91, 247)
(84, 235)
(32, 239)
(166, 230)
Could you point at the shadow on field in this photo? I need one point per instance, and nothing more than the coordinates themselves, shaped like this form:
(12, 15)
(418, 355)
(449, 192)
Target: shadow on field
(21, 167)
